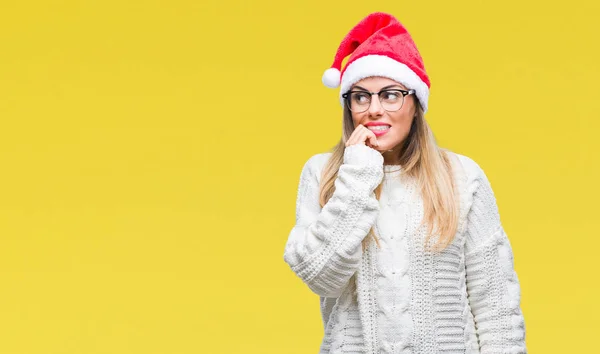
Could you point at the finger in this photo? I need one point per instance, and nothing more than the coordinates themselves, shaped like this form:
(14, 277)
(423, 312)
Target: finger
(373, 139)
(370, 138)
(364, 136)
(355, 134)
(351, 139)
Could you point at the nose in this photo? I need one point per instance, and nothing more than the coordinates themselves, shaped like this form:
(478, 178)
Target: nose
(375, 109)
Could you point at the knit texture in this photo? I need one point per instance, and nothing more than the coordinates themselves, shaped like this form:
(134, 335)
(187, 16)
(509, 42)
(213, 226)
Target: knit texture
(400, 298)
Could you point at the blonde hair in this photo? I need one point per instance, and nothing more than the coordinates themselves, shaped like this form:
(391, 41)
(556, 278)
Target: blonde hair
(420, 158)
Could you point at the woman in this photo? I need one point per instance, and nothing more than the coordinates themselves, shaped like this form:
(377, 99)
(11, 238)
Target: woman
(400, 238)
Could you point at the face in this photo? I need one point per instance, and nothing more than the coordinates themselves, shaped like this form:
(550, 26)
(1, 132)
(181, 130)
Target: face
(399, 122)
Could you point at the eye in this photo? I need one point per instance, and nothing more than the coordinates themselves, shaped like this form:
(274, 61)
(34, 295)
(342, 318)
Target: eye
(360, 97)
(391, 96)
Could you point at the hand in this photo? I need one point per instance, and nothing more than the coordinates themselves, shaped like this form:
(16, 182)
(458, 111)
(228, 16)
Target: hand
(362, 135)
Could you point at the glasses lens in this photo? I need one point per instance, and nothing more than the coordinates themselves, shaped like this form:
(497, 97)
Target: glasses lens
(359, 101)
(391, 100)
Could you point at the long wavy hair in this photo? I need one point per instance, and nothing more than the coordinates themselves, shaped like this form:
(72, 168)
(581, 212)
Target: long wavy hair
(420, 158)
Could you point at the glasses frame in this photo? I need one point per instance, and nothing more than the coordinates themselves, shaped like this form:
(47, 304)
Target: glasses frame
(404, 93)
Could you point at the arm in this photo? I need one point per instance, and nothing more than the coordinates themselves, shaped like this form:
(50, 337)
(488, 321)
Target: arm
(324, 246)
(492, 284)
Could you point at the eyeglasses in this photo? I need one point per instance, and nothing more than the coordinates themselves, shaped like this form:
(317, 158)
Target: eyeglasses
(391, 99)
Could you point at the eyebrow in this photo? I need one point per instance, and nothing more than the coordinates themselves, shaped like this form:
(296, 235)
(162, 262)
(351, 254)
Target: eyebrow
(383, 88)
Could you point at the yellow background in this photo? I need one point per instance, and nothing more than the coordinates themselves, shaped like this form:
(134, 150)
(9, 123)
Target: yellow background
(151, 150)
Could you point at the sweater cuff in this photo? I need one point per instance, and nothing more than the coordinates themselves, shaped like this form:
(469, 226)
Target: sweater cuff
(361, 154)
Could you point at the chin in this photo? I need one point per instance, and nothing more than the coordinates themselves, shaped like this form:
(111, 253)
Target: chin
(388, 146)
(383, 147)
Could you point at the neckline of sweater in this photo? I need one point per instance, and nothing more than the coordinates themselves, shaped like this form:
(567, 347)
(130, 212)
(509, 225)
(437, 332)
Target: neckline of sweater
(392, 170)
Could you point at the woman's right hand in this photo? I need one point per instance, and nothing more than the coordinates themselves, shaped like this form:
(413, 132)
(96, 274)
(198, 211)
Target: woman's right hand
(362, 135)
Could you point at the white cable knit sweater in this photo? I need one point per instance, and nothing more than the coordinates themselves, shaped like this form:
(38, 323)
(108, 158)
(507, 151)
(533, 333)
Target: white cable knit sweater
(400, 298)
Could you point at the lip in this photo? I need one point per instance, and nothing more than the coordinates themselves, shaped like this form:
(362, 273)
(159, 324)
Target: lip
(374, 124)
(378, 134)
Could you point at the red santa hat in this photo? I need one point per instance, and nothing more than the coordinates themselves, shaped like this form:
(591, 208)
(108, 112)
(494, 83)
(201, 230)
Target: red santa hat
(379, 45)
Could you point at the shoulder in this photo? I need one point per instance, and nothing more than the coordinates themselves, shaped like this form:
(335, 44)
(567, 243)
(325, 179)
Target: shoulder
(318, 160)
(476, 194)
(315, 163)
(472, 171)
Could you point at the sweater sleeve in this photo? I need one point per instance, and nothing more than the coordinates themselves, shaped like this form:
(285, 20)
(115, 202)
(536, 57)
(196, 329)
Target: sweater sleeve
(492, 283)
(324, 246)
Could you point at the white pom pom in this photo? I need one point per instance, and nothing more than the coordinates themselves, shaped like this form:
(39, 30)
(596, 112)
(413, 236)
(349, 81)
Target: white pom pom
(331, 78)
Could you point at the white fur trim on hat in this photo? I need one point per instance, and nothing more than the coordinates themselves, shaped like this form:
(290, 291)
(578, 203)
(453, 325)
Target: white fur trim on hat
(380, 65)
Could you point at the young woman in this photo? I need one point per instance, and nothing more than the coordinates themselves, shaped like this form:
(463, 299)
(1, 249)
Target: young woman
(400, 238)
